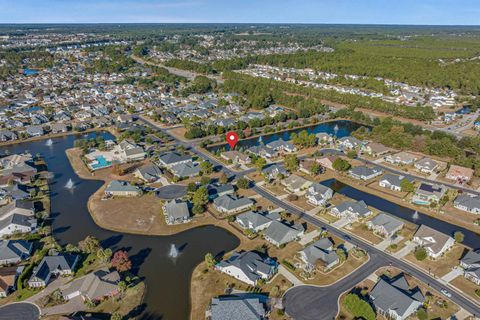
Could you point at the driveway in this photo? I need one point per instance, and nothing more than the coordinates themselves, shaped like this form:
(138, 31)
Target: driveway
(20, 310)
(173, 191)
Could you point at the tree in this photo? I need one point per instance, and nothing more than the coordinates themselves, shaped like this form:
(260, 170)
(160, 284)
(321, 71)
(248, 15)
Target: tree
(223, 178)
(116, 316)
(210, 260)
(122, 286)
(121, 261)
(89, 245)
(104, 254)
(243, 183)
(358, 307)
(352, 154)
(422, 314)
(200, 197)
(407, 185)
(420, 253)
(205, 180)
(458, 236)
(191, 187)
(316, 168)
(198, 210)
(291, 162)
(341, 165)
(71, 248)
(260, 163)
(342, 256)
(206, 167)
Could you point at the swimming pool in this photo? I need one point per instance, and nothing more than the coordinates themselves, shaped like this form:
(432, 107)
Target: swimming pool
(100, 162)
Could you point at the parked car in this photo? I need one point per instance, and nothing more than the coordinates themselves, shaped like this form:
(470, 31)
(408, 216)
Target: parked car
(446, 293)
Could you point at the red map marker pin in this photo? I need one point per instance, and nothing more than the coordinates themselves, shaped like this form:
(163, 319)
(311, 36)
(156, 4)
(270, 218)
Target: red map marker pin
(232, 139)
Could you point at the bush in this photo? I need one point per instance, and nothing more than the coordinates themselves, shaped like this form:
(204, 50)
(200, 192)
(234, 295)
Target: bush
(243, 183)
(420, 254)
(422, 314)
(458, 236)
(359, 308)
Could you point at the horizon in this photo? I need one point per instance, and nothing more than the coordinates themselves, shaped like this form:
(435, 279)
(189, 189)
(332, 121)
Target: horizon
(307, 12)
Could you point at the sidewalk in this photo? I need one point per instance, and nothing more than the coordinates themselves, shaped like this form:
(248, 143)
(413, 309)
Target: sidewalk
(290, 276)
(409, 246)
(452, 275)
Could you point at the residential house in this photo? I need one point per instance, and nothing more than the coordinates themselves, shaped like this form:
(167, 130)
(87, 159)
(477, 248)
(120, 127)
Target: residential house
(59, 127)
(238, 307)
(34, 131)
(248, 267)
(294, 183)
(459, 174)
(170, 159)
(14, 251)
(253, 221)
(7, 135)
(352, 210)
(218, 190)
(279, 233)
(148, 173)
(176, 211)
(52, 266)
(426, 165)
(119, 188)
(185, 170)
(236, 157)
(349, 143)
(324, 138)
(385, 225)
(364, 172)
(428, 193)
(435, 242)
(318, 194)
(327, 162)
(394, 298)
(319, 254)
(129, 151)
(17, 223)
(275, 171)
(401, 158)
(8, 279)
(19, 207)
(392, 182)
(306, 165)
(262, 151)
(471, 266)
(231, 204)
(468, 203)
(374, 149)
(282, 145)
(95, 286)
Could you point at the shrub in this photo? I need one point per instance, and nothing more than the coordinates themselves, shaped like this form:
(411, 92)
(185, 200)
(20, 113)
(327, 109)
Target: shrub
(359, 308)
(420, 253)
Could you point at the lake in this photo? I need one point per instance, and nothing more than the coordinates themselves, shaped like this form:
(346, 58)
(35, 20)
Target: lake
(339, 128)
(472, 239)
(168, 280)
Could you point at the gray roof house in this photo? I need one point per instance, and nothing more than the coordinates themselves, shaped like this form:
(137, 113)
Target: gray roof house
(321, 250)
(17, 223)
(176, 211)
(467, 203)
(385, 224)
(238, 307)
(351, 210)
(395, 299)
(427, 193)
(94, 286)
(278, 233)
(282, 145)
(294, 183)
(364, 172)
(435, 242)
(248, 267)
(471, 266)
(121, 188)
(148, 173)
(34, 131)
(262, 151)
(273, 171)
(14, 251)
(7, 135)
(231, 204)
(392, 181)
(185, 169)
(63, 264)
(426, 165)
(318, 194)
(172, 158)
(254, 221)
(218, 190)
(349, 143)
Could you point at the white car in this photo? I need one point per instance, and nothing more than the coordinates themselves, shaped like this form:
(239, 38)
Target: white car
(446, 293)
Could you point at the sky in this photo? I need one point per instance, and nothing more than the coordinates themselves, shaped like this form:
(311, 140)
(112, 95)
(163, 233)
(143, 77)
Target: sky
(417, 12)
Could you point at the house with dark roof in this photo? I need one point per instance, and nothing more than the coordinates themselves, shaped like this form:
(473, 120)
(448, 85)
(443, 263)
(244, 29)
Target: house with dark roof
(364, 172)
(395, 299)
(471, 266)
(34, 131)
(319, 255)
(218, 190)
(248, 267)
(17, 223)
(14, 251)
(385, 224)
(238, 307)
(427, 193)
(170, 159)
(185, 169)
(468, 203)
(148, 173)
(52, 266)
(7, 135)
(176, 211)
(280, 233)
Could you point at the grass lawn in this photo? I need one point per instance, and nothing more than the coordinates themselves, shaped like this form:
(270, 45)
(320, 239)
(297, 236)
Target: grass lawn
(343, 313)
(467, 287)
(442, 265)
(126, 305)
(361, 230)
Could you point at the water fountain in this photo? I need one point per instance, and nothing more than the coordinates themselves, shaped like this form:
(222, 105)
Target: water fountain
(415, 215)
(260, 140)
(336, 128)
(49, 143)
(173, 251)
(69, 184)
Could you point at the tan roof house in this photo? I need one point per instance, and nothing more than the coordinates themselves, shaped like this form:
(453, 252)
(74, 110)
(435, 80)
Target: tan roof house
(459, 174)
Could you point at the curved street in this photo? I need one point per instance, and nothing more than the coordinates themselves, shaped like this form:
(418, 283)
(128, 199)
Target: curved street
(20, 311)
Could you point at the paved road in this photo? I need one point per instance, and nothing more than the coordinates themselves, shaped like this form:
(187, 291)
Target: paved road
(377, 258)
(20, 311)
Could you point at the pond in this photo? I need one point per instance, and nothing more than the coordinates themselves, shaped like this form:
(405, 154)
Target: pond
(340, 129)
(167, 279)
(472, 239)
